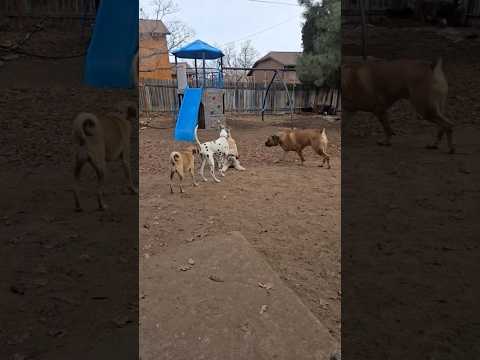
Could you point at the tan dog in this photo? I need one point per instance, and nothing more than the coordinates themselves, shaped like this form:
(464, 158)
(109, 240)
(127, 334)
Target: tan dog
(182, 162)
(375, 86)
(232, 156)
(297, 140)
(98, 140)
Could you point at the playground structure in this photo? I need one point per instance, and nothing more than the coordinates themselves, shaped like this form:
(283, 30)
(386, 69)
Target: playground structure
(204, 105)
(111, 60)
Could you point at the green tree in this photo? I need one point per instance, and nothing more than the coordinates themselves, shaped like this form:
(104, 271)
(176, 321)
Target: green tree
(319, 64)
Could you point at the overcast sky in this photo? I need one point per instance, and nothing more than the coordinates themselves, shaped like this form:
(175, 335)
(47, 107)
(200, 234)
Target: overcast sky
(272, 25)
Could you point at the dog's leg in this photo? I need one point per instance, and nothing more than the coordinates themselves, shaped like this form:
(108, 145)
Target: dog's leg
(193, 177)
(445, 126)
(78, 169)
(101, 181)
(300, 154)
(128, 171)
(202, 168)
(172, 173)
(383, 117)
(226, 165)
(237, 165)
(326, 159)
(180, 183)
(283, 158)
(438, 139)
(211, 163)
(223, 165)
(220, 163)
(323, 153)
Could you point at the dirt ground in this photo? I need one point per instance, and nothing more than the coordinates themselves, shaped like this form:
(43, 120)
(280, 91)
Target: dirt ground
(63, 274)
(410, 215)
(289, 213)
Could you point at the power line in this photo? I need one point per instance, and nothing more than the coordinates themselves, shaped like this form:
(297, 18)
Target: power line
(260, 31)
(274, 2)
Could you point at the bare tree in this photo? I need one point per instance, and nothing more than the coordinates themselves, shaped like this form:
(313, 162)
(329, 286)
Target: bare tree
(243, 57)
(247, 56)
(180, 32)
(230, 58)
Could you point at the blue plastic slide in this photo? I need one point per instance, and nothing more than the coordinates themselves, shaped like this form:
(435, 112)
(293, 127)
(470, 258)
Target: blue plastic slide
(187, 118)
(113, 45)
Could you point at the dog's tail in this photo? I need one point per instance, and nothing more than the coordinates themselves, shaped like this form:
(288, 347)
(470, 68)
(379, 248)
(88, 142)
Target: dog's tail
(84, 125)
(174, 157)
(196, 137)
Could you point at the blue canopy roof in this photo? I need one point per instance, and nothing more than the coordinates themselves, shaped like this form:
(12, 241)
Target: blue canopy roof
(197, 50)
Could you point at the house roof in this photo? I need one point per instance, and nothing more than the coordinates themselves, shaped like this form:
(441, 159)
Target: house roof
(152, 26)
(286, 58)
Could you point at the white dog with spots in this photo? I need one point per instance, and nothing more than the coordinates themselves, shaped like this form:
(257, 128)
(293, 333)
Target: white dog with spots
(211, 150)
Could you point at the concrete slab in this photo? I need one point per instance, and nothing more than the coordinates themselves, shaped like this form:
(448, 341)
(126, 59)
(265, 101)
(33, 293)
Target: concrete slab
(216, 310)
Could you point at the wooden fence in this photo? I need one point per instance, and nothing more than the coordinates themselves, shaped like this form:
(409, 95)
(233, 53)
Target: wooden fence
(161, 96)
(53, 8)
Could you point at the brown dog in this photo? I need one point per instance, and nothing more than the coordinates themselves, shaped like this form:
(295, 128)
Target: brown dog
(297, 140)
(98, 140)
(374, 86)
(182, 162)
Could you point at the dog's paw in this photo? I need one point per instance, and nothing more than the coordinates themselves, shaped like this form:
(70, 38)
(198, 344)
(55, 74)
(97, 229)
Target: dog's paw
(217, 181)
(452, 151)
(195, 184)
(78, 209)
(204, 180)
(431, 147)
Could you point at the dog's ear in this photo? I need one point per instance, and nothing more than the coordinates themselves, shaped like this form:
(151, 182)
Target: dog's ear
(276, 138)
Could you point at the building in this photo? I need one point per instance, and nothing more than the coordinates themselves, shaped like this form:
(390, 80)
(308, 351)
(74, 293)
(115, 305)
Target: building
(281, 60)
(154, 62)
